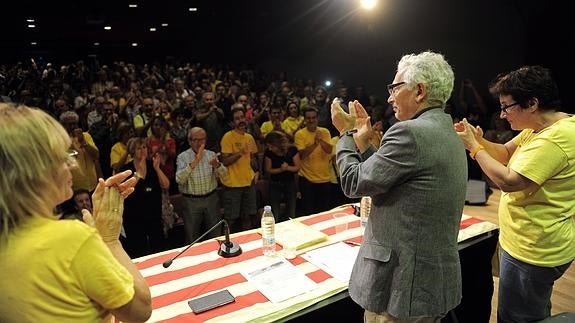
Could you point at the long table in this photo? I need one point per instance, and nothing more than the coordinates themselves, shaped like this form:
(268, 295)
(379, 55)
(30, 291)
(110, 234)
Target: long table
(200, 271)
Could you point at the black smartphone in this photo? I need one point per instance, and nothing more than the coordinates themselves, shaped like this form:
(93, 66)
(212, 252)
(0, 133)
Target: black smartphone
(208, 302)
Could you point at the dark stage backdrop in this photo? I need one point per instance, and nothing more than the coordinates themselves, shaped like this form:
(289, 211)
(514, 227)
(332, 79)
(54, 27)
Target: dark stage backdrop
(318, 39)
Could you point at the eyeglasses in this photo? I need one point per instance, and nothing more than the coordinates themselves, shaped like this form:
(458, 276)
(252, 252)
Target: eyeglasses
(198, 139)
(71, 160)
(505, 108)
(392, 88)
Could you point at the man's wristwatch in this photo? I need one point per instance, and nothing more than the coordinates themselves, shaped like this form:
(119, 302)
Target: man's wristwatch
(348, 133)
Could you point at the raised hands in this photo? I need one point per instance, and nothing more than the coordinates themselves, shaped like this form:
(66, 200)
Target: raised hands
(108, 203)
(215, 161)
(341, 120)
(469, 135)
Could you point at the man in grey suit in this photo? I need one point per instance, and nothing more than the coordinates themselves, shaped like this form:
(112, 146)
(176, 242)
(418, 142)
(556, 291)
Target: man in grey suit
(407, 269)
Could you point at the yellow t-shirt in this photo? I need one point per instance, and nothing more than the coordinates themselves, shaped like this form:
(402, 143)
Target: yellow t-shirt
(291, 124)
(538, 224)
(118, 150)
(59, 271)
(85, 175)
(268, 127)
(316, 166)
(240, 173)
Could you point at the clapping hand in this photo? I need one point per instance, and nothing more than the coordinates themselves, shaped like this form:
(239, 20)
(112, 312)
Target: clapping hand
(215, 162)
(108, 203)
(341, 120)
(469, 135)
(362, 121)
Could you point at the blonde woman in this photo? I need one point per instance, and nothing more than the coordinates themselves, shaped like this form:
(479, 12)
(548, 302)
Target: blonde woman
(64, 271)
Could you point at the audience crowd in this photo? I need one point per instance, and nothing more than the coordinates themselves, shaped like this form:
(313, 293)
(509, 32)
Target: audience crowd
(272, 137)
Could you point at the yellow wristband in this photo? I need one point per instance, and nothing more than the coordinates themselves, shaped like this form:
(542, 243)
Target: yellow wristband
(475, 150)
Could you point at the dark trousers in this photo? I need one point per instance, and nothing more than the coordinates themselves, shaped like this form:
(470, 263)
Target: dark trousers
(281, 191)
(315, 196)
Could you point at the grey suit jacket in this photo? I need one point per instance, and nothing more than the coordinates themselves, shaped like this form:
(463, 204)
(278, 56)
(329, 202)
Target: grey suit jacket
(408, 264)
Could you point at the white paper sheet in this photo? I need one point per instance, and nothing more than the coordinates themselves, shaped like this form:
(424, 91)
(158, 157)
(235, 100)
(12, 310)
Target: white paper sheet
(279, 280)
(335, 259)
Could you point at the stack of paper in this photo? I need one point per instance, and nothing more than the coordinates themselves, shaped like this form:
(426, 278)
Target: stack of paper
(298, 235)
(335, 259)
(279, 281)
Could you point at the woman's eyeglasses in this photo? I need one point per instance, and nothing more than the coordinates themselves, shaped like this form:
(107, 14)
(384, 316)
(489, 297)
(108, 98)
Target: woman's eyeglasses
(505, 108)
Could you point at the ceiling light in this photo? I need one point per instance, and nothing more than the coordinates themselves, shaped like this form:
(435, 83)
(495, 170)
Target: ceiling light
(164, 25)
(108, 27)
(153, 29)
(368, 4)
(134, 44)
(33, 43)
(193, 9)
(132, 6)
(96, 44)
(29, 20)
(31, 26)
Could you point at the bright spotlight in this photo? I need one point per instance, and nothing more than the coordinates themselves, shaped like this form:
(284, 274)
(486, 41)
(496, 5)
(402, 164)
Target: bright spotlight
(368, 4)
(327, 83)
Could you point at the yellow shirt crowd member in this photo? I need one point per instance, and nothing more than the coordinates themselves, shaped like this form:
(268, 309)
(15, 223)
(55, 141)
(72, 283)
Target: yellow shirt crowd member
(292, 124)
(240, 173)
(117, 153)
(268, 127)
(315, 167)
(85, 175)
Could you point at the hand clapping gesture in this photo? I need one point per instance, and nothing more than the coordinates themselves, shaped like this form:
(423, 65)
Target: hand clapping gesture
(469, 135)
(357, 118)
(215, 162)
(108, 202)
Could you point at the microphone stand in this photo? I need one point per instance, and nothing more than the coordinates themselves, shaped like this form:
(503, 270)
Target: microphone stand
(227, 249)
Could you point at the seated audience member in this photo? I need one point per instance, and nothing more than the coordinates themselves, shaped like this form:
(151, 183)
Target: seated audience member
(55, 271)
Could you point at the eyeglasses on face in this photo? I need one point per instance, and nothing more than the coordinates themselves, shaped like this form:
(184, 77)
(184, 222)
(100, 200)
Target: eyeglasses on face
(505, 108)
(71, 160)
(392, 88)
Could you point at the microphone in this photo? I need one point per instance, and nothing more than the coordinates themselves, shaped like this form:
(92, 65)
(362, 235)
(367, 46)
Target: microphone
(227, 249)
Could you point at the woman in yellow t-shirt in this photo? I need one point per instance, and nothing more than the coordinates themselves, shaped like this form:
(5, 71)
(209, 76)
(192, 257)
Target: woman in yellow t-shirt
(59, 271)
(535, 171)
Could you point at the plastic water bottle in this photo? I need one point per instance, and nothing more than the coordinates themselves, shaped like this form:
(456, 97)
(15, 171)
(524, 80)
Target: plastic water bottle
(364, 210)
(268, 232)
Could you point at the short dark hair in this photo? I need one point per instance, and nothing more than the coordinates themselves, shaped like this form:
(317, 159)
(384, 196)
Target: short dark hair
(526, 83)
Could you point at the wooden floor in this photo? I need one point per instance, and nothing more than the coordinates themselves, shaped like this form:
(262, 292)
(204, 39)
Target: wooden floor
(563, 298)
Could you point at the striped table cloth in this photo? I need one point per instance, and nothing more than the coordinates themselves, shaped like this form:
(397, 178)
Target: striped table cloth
(201, 271)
